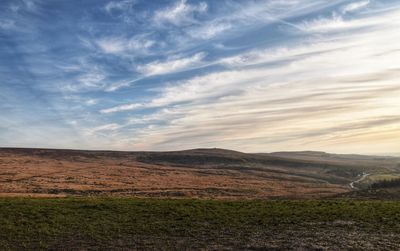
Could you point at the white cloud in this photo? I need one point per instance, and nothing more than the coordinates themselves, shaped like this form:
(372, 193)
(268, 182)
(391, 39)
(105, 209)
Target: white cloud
(180, 13)
(119, 5)
(355, 6)
(69, 68)
(102, 130)
(210, 30)
(111, 45)
(121, 46)
(115, 86)
(171, 65)
(91, 102)
(89, 78)
(126, 107)
(281, 54)
(337, 23)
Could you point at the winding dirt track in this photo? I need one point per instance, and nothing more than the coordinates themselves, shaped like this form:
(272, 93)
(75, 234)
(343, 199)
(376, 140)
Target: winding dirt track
(363, 176)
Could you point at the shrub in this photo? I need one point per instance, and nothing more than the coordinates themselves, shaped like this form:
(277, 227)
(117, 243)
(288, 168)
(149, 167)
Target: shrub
(386, 184)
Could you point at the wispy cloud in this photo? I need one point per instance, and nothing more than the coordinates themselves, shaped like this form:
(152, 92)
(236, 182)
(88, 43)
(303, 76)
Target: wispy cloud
(171, 65)
(124, 47)
(106, 127)
(119, 6)
(112, 45)
(209, 31)
(338, 22)
(355, 6)
(83, 76)
(127, 107)
(180, 13)
(334, 23)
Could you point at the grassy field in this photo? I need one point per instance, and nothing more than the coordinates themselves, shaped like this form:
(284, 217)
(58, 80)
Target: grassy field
(126, 224)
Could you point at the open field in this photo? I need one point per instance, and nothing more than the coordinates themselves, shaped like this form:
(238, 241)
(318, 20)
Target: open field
(102, 200)
(154, 224)
(201, 173)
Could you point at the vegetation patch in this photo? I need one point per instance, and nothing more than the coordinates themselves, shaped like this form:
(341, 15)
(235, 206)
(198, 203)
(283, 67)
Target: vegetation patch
(103, 223)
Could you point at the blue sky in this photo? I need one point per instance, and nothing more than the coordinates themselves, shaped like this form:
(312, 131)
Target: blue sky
(254, 76)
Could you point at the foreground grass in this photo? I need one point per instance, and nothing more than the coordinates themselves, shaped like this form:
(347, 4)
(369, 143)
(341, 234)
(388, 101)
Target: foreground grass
(124, 223)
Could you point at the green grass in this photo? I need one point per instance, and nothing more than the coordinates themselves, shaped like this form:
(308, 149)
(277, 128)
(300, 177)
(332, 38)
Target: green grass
(102, 223)
(379, 177)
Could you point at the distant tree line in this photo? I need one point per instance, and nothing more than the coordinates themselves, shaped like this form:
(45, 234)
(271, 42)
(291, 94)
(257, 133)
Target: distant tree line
(386, 184)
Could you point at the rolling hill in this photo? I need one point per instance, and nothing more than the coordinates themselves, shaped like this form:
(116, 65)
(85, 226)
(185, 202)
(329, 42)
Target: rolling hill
(196, 173)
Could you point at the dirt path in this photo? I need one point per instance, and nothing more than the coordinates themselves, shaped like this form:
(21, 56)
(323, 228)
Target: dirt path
(364, 175)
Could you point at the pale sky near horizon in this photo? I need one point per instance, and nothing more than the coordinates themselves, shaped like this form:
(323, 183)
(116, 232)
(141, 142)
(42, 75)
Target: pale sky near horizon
(253, 76)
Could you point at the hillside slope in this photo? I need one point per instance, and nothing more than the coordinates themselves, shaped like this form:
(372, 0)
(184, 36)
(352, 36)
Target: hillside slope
(205, 173)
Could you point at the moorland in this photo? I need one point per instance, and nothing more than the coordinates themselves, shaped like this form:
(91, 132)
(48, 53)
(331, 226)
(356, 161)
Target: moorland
(200, 199)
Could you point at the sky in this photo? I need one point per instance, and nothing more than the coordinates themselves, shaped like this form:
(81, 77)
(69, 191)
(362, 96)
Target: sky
(253, 76)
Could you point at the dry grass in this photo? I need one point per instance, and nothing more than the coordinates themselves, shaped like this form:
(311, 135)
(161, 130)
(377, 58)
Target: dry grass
(59, 173)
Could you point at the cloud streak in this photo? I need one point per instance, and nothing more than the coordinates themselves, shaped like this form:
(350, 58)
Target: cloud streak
(180, 13)
(171, 65)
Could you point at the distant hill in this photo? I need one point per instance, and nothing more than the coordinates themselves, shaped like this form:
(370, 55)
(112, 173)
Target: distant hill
(208, 173)
(334, 168)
